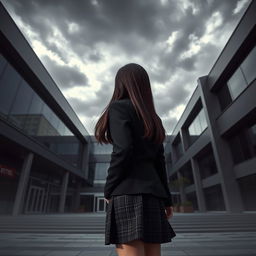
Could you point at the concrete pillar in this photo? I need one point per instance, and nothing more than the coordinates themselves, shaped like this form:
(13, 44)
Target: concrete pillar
(222, 154)
(22, 185)
(63, 191)
(198, 185)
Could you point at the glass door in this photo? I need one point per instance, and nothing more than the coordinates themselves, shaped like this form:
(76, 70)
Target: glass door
(101, 204)
(35, 200)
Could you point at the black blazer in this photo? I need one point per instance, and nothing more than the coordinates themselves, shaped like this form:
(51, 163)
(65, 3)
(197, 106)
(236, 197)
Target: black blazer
(137, 165)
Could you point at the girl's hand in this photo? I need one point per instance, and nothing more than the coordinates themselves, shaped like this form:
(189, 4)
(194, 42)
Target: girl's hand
(169, 212)
(107, 200)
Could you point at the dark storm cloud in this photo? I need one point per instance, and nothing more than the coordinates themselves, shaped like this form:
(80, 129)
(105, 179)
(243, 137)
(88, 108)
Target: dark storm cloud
(130, 29)
(129, 24)
(65, 76)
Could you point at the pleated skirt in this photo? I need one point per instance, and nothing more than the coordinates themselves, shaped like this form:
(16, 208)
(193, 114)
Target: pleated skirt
(137, 216)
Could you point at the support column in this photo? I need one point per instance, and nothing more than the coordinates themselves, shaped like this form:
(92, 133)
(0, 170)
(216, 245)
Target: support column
(22, 186)
(198, 186)
(63, 191)
(221, 151)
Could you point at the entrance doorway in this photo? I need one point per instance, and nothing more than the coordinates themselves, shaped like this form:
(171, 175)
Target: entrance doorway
(36, 200)
(101, 205)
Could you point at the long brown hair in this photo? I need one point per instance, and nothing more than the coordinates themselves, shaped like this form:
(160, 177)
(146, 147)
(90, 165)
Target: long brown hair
(132, 82)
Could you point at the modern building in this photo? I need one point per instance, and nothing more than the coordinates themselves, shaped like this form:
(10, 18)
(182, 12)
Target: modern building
(44, 148)
(212, 149)
(50, 164)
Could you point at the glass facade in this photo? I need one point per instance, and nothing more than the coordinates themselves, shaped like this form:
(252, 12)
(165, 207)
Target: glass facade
(23, 107)
(214, 198)
(248, 191)
(243, 76)
(243, 144)
(197, 126)
(207, 165)
(187, 174)
(248, 66)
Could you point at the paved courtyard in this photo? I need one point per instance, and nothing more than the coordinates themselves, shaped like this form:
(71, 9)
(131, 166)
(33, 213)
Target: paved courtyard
(83, 235)
(208, 244)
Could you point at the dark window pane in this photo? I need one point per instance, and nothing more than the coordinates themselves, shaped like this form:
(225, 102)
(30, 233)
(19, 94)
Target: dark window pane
(8, 86)
(236, 83)
(207, 165)
(243, 144)
(214, 198)
(33, 123)
(197, 126)
(21, 104)
(36, 105)
(224, 97)
(249, 66)
(47, 122)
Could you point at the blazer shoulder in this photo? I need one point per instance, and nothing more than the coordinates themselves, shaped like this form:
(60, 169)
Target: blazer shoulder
(122, 103)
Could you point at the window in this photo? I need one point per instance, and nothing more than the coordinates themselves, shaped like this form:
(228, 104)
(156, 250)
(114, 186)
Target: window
(248, 66)
(24, 108)
(244, 75)
(236, 83)
(21, 105)
(9, 82)
(207, 165)
(197, 126)
(243, 144)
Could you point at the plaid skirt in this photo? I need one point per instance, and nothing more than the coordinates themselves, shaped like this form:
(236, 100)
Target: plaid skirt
(137, 216)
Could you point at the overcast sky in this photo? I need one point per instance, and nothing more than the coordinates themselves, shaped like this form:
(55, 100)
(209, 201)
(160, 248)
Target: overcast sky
(82, 44)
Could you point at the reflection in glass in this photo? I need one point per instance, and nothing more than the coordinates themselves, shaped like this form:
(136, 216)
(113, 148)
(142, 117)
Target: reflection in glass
(243, 144)
(20, 104)
(249, 66)
(9, 82)
(236, 83)
(207, 165)
(202, 120)
(197, 126)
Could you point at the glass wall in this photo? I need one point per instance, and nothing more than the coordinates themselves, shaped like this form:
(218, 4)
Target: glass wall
(214, 198)
(244, 75)
(197, 126)
(247, 186)
(207, 165)
(187, 174)
(243, 144)
(23, 107)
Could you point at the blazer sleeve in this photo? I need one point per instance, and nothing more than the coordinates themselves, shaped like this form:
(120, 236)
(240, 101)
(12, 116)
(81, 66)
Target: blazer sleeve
(120, 131)
(161, 169)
